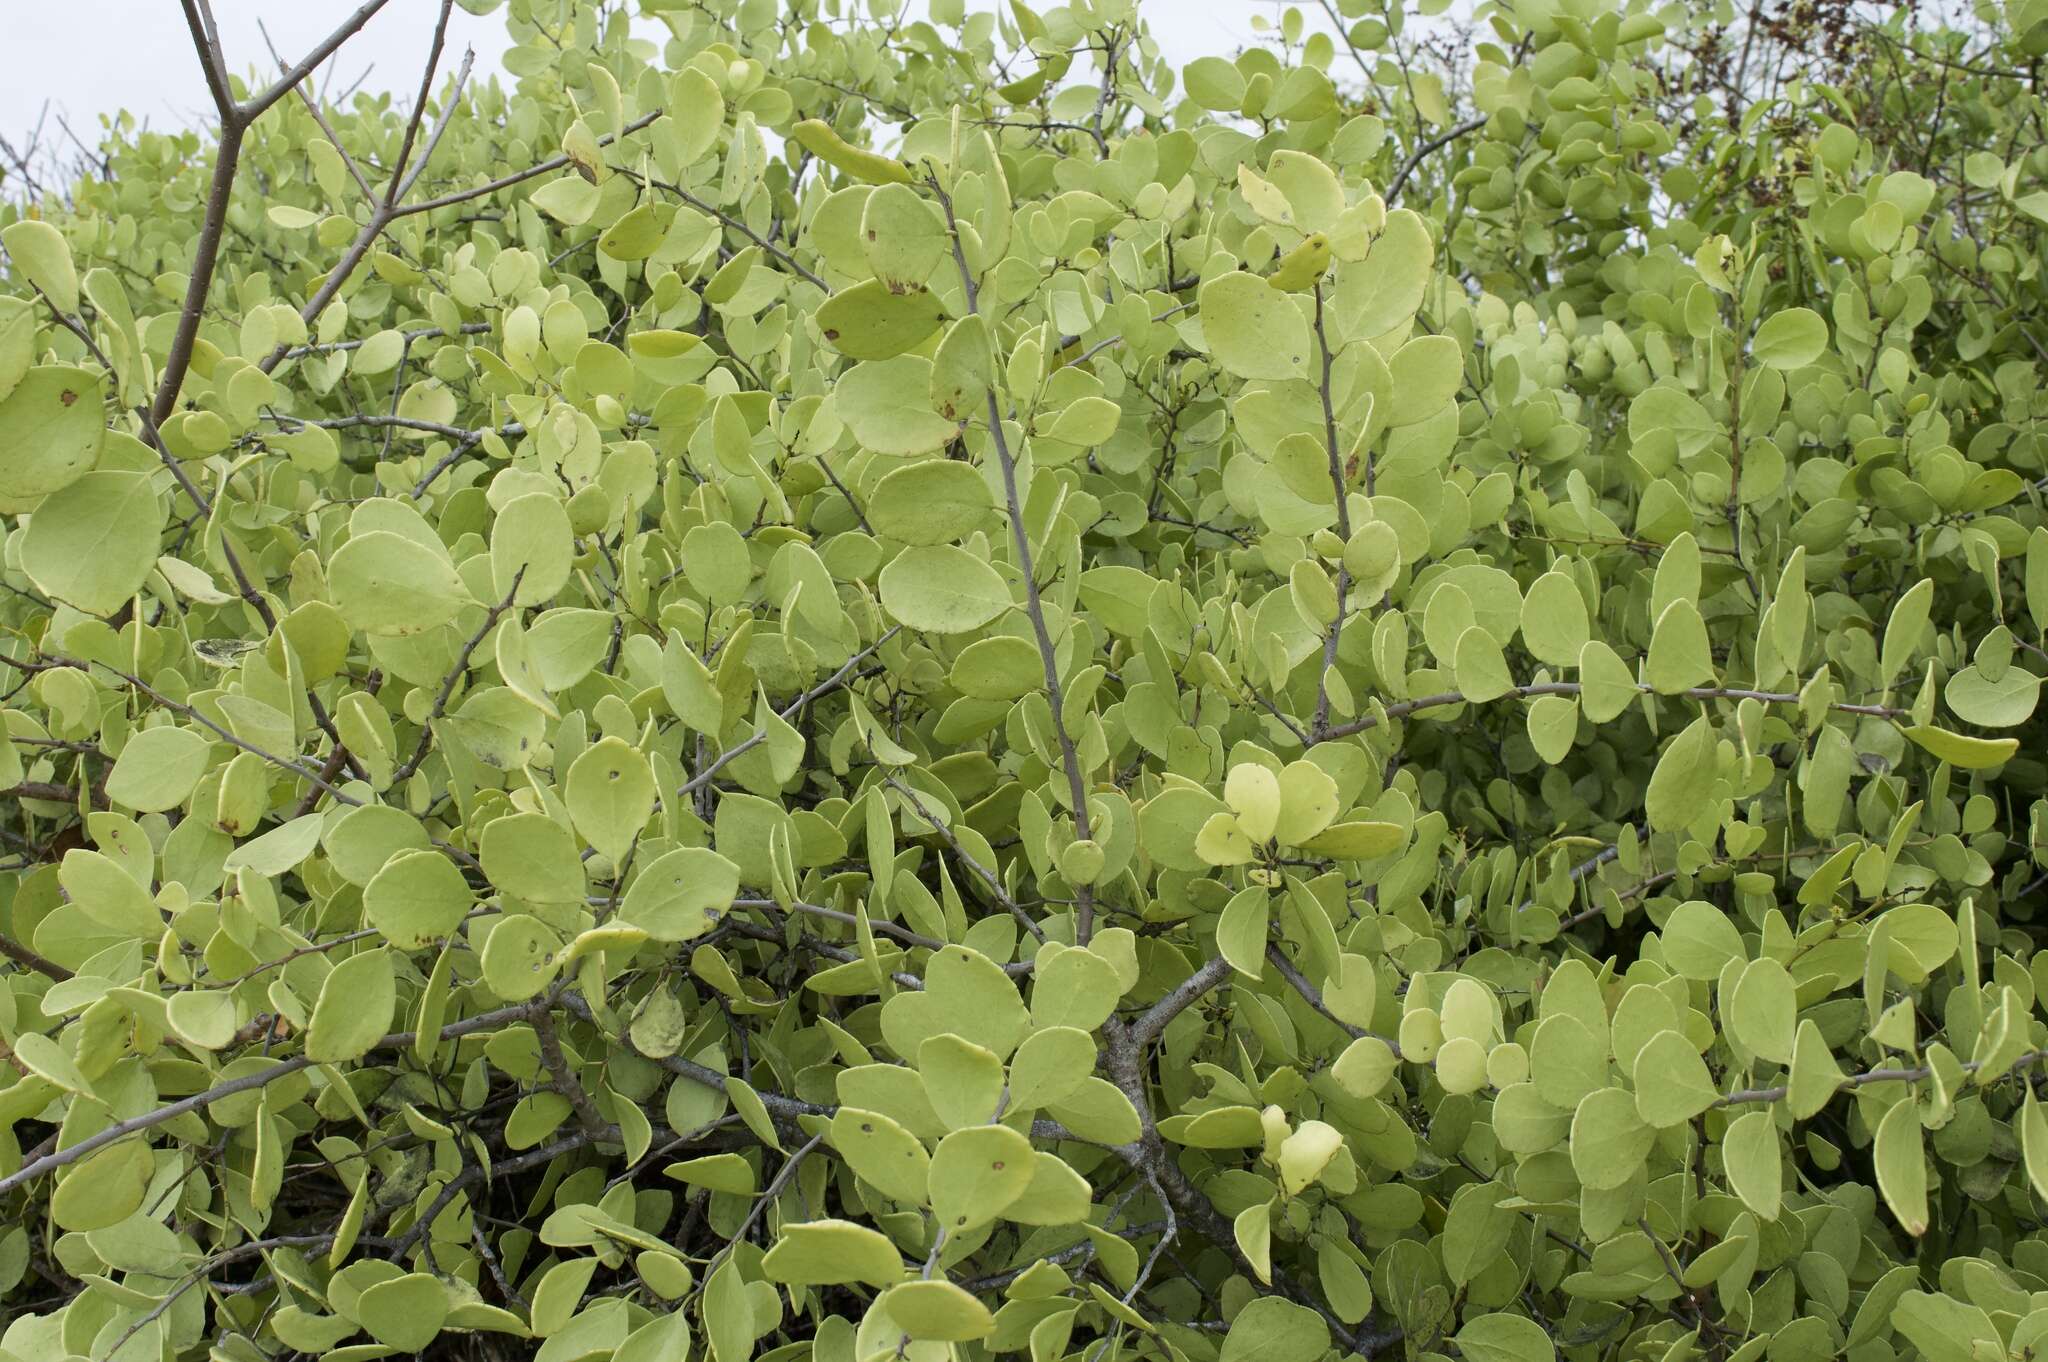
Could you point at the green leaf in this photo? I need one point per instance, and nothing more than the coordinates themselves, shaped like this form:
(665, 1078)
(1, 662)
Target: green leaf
(937, 1312)
(942, 590)
(975, 1174)
(532, 544)
(1481, 667)
(1906, 625)
(519, 957)
(93, 542)
(384, 583)
(405, 1312)
(1304, 1155)
(1241, 931)
(1365, 1067)
(1057, 1195)
(935, 501)
(1362, 841)
(1680, 656)
(1253, 793)
(1252, 1230)
(1682, 785)
(1669, 413)
(1566, 1061)
(878, 320)
(1969, 754)
(418, 897)
(109, 895)
(1815, 1075)
(43, 1058)
(832, 1252)
(1699, 941)
(963, 1080)
(610, 794)
(883, 1154)
(1427, 373)
(674, 896)
(1075, 989)
(2005, 703)
(1554, 624)
(1900, 1160)
(1553, 725)
(203, 1018)
(533, 858)
(1945, 1329)
(1254, 331)
(1308, 803)
(43, 256)
(52, 428)
(2033, 1131)
(1763, 1014)
(1504, 1338)
(885, 403)
(105, 1188)
(1273, 1329)
(559, 1291)
(158, 769)
(1049, 1065)
(1606, 687)
(1608, 1140)
(903, 236)
(1791, 339)
(1097, 1111)
(354, 1010)
(1671, 1081)
(1754, 1162)
(965, 993)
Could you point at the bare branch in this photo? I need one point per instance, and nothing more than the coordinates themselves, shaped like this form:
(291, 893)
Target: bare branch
(789, 711)
(206, 43)
(251, 111)
(419, 104)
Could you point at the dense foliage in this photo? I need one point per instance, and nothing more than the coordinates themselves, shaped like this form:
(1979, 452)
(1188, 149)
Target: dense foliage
(850, 686)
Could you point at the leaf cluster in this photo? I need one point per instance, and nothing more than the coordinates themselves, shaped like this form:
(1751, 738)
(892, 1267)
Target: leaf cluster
(853, 685)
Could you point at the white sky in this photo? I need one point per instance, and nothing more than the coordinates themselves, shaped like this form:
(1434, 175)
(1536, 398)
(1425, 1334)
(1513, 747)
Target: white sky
(85, 58)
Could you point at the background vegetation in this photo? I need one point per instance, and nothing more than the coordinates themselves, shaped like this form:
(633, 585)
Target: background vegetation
(851, 685)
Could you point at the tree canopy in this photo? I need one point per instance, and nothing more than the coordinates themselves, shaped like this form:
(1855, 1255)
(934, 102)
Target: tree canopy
(815, 682)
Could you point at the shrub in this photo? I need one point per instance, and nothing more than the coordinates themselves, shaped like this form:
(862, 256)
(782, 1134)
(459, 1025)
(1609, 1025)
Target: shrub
(913, 687)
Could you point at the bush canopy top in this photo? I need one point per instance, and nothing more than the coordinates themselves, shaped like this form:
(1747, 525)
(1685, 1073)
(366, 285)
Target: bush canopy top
(814, 683)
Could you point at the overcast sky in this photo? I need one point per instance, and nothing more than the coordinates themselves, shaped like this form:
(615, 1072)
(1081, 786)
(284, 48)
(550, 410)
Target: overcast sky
(84, 58)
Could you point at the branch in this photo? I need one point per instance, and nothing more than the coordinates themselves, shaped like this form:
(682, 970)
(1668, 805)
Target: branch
(1753, 1096)
(892, 930)
(251, 111)
(1070, 757)
(564, 1078)
(1415, 158)
(1404, 708)
(297, 768)
(419, 105)
(1337, 486)
(206, 43)
(760, 735)
(517, 176)
(441, 123)
(982, 872)
(205, 254)
(1313, 996)
(448, 682)
(121, 1130)
(28, 959)
(1184, 995)
(736, 225)
(320, 117)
